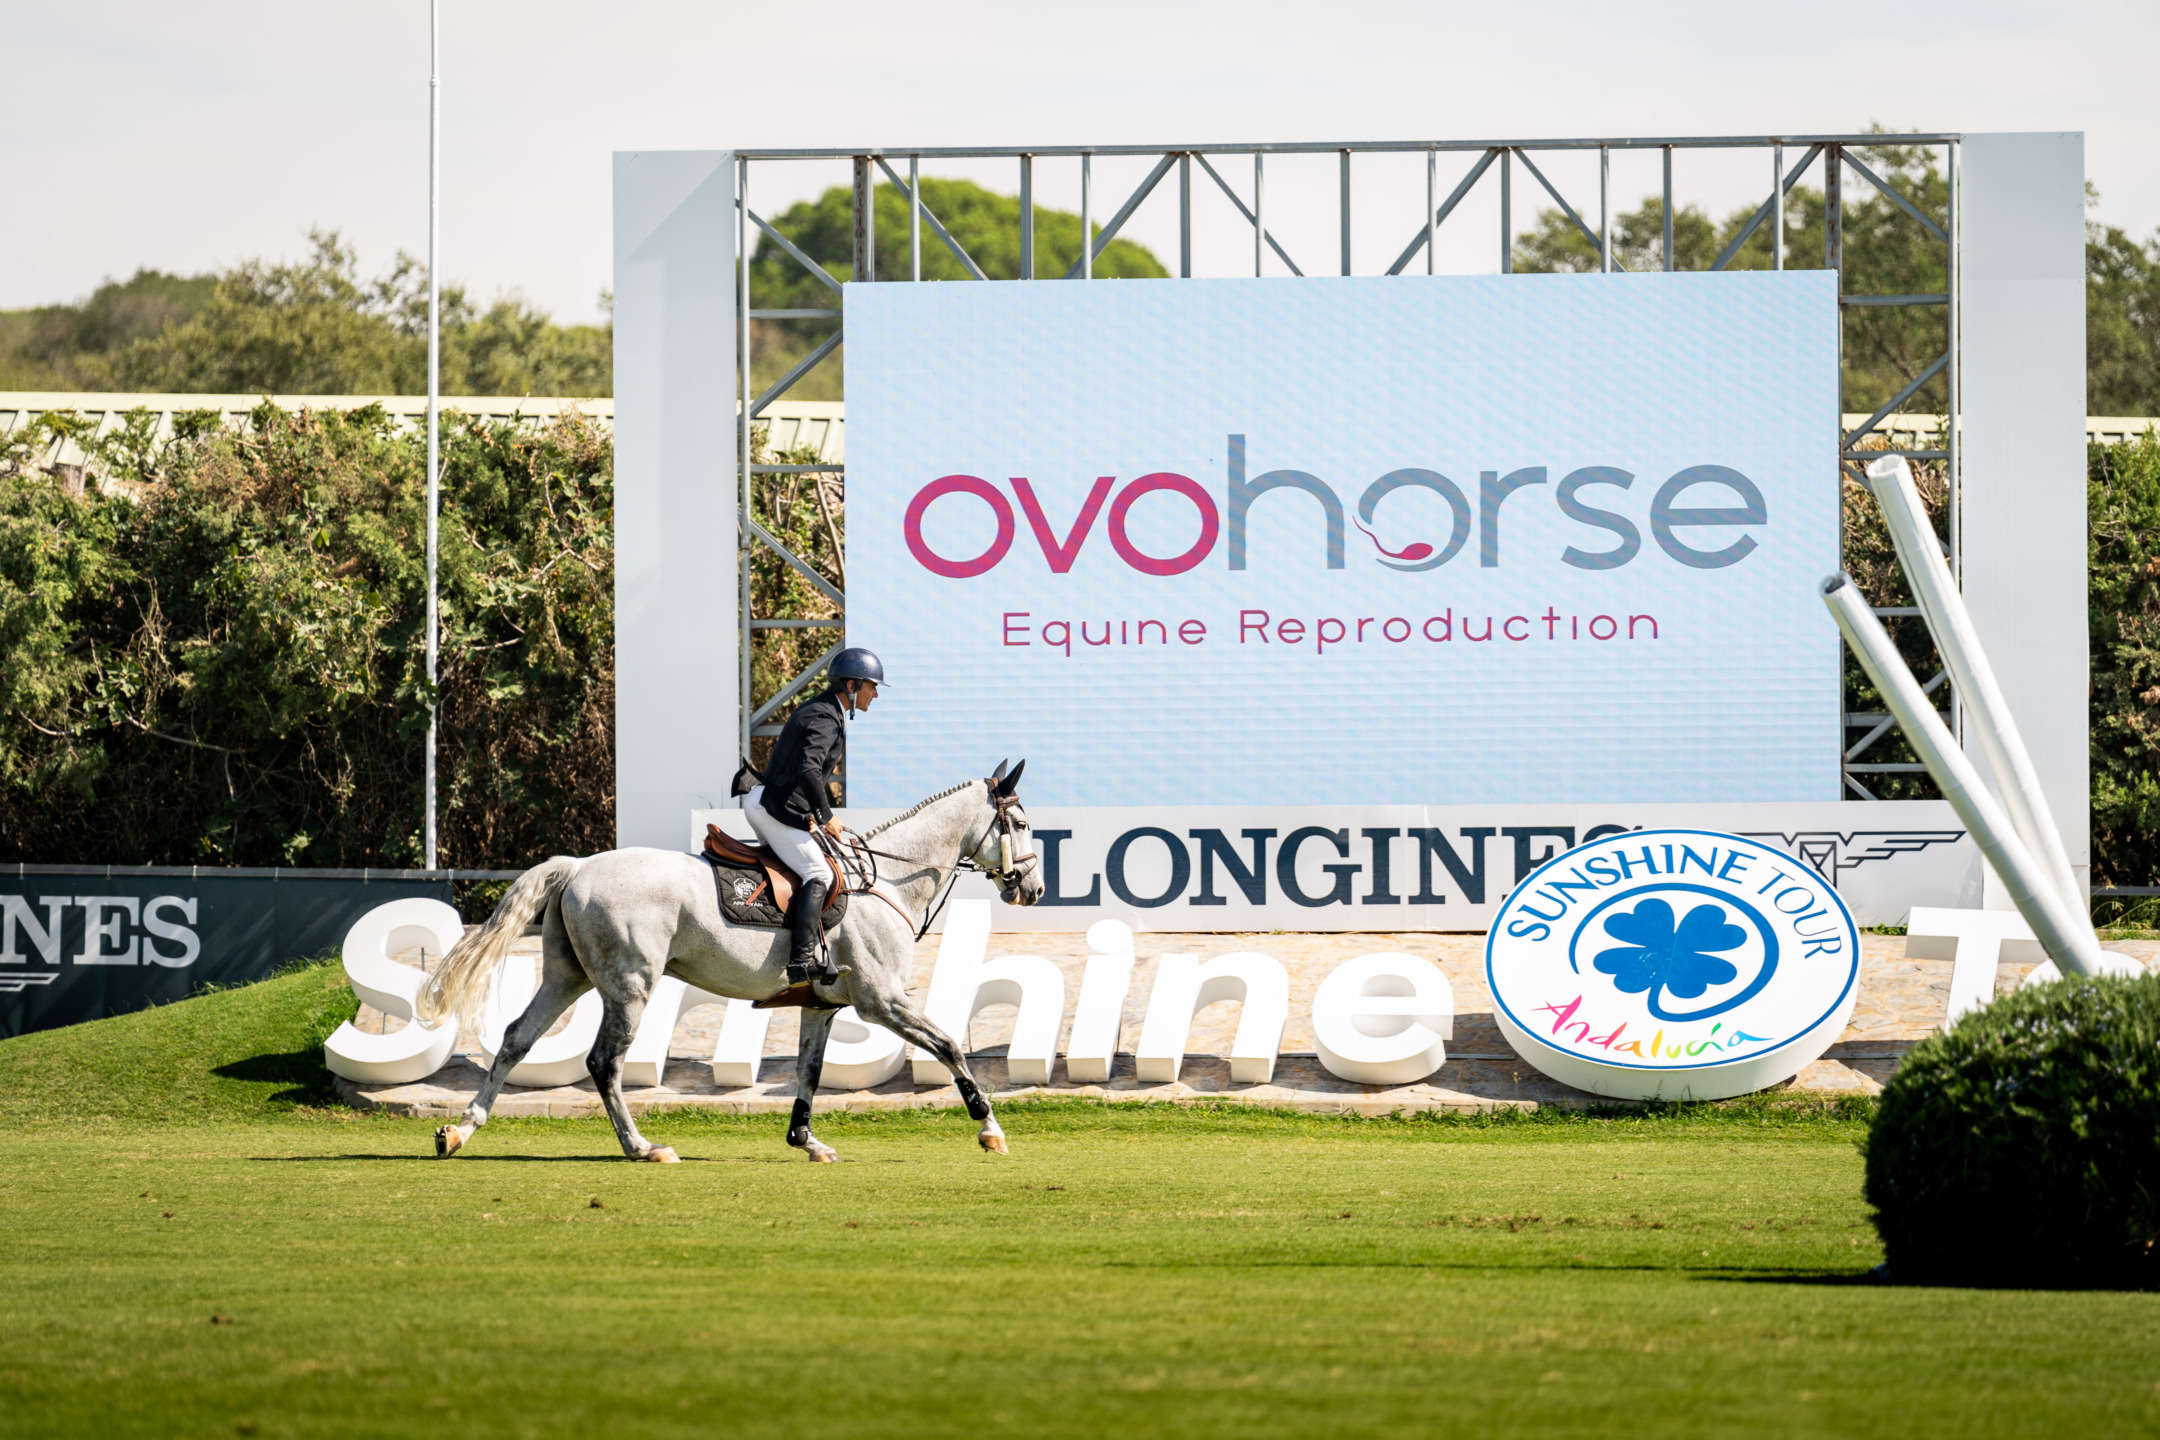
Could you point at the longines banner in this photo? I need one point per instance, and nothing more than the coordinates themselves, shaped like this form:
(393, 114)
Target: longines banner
(1422, 867)
(82, 945)
(1478, 541)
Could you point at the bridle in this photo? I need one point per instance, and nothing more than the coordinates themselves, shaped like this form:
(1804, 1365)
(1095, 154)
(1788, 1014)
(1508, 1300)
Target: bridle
(1008, 873)
(857, 860)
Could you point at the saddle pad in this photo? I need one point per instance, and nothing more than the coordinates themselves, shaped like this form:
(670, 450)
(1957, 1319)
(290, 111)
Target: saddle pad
(746, 896)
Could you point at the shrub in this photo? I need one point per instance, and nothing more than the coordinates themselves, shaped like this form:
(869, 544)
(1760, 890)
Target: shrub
(2023, 1146)
(2123, 507)
(216, 654)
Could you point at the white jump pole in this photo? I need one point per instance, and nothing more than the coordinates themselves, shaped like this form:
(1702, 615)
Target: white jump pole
(2066, 935)
(1989, 714)
(434, 385)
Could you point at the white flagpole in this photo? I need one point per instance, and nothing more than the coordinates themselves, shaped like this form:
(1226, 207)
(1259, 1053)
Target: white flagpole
(2063, 932)
(434, 381)
(1959, 645)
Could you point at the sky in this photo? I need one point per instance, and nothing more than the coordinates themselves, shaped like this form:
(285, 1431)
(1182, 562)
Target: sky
(186, 138)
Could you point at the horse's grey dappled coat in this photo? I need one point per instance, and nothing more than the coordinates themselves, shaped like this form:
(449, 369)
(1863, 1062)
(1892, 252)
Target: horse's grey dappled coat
(620, 920)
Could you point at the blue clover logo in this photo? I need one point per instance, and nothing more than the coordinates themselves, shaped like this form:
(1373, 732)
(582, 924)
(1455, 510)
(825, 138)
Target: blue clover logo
(1657, 955)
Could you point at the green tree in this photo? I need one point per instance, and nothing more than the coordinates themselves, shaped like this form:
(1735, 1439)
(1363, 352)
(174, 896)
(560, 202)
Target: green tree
(2123, 506)
(2122, 323)
(44, 348)
(56, 555)
(985, 224)
(1556, 246)
(308, 327)
(808, 513)
(514, 348)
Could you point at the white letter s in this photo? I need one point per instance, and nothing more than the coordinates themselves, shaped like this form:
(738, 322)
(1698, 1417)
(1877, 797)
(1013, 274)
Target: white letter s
(190, 945)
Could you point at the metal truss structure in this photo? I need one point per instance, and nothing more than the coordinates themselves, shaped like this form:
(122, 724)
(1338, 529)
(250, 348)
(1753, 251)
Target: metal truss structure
(1492, 162)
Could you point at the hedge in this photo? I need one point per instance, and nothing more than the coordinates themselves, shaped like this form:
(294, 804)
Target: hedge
(215, 656)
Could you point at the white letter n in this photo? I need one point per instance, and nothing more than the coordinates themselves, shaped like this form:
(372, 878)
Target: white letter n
(14, 911)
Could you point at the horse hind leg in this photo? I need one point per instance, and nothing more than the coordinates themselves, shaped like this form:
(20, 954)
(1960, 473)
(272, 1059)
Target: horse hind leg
(809, 1065)
(618, 1024)
(559, 989)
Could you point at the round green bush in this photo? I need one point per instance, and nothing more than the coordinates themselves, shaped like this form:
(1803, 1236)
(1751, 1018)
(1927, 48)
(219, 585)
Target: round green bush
(2023, 1146)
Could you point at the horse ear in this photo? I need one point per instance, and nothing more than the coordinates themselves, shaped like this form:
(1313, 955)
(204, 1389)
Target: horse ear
(999, 773)
(1011, 782)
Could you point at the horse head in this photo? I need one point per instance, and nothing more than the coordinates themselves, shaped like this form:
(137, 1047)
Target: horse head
(1006, 851)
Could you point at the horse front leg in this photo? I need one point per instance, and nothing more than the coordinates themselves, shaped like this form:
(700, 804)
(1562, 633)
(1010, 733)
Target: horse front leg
(809, 1065)
(900, 1016)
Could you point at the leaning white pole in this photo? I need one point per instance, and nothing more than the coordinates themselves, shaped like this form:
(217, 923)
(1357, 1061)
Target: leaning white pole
(434, 382)
(1986, 710)
(2063, 933)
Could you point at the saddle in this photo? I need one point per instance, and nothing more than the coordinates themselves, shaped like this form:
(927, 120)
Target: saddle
(756, 886)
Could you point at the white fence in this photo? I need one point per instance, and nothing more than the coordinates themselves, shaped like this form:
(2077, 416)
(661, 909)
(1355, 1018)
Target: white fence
(791, 423)
(1922, 432)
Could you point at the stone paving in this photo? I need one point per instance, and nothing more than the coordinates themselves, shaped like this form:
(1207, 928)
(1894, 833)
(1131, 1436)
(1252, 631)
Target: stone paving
(1901, 1001)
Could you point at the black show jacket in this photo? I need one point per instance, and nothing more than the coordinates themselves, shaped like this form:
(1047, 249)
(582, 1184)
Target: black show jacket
(810, 750)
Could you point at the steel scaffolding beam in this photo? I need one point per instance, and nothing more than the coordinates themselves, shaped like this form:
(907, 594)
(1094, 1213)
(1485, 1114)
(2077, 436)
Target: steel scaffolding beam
(1837, 150)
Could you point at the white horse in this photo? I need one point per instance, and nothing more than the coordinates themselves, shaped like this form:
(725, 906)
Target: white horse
(620, 920)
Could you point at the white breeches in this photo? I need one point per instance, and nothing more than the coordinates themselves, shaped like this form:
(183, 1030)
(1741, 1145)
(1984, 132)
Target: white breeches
(793, 845)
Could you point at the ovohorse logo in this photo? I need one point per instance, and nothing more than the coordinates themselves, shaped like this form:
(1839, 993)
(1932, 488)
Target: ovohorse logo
(1229, 519)
(1674, 964)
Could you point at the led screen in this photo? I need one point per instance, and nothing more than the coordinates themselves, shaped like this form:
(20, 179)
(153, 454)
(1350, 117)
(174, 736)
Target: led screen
(1436, 540)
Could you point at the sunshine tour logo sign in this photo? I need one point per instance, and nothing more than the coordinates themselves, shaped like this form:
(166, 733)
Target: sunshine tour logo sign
(1673, 964)
(1621, 536)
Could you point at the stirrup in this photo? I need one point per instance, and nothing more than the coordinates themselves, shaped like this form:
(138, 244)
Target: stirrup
(804, 995)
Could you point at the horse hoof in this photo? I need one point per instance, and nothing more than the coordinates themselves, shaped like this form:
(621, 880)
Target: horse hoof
(663, 1155)
(995, 1144)
(823, 1155)
(447, 1142)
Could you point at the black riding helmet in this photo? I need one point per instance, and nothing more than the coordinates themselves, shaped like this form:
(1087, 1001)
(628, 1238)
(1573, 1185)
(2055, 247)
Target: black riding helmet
(855, 663)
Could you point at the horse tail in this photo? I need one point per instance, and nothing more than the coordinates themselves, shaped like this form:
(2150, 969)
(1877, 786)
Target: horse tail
(461, 984)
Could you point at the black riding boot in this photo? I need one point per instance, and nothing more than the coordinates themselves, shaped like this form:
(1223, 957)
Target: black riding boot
(803, 916)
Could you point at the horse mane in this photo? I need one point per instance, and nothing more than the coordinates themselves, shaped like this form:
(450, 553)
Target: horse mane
(916, 809)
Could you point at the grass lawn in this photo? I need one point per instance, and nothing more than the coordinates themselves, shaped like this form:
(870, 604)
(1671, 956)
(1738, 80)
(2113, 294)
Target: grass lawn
(1125, 1270)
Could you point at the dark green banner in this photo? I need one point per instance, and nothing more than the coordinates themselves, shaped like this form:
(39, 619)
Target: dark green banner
(81, 945)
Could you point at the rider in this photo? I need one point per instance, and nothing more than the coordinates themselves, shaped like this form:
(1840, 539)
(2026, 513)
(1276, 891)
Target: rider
(793, 801)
